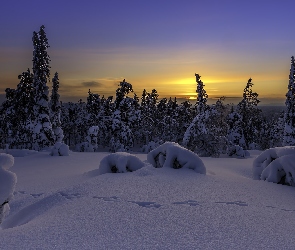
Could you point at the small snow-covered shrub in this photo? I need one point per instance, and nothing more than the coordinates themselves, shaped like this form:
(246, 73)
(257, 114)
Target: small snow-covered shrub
(237, 151)
(120, 162)
(281, 170)
(268, 164)
(60, 149)
(7, 183)
(172, 155)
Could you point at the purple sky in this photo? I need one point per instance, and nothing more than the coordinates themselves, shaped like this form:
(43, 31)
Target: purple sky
(153, 44)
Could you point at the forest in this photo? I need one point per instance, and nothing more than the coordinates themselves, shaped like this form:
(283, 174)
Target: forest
(33, 117)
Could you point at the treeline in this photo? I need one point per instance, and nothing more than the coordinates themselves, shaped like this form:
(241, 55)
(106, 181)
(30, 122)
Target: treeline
(128, 121)
(34, 119)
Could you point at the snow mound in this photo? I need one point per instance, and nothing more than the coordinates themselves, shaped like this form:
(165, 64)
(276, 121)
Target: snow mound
(60, 149)
(172, 155)
(147, 170)
(274, 164)
(7, 183)
(6, 160)
(120, 162)
(281, 170)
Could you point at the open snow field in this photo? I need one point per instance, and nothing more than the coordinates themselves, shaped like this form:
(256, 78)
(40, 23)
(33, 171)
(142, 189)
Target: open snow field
(63, 203)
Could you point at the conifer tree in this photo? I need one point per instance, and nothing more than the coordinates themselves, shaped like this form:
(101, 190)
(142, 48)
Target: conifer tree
(93, 107)
(198, 137)
(42, 135)
(23, 108)
(8, 121)
(55, 106)
(251, 115)
(148, 115)
(289, 117)
(235, 133)
(201, 103)
(122, 137)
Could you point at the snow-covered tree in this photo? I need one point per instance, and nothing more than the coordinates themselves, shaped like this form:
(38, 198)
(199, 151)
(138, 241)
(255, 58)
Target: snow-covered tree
(55, 106)
(122, 137)
(199, 137)
(289, 130)
(93, 107)
(235, 133)
(251, 115)
(23, 108)
(148, 116)
(8, 121)
(201, 103)
(185, 115)
(42, 133)
(168, 124)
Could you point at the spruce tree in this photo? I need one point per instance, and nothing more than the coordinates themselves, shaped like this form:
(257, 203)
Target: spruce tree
(122, 137)
(289, 117)
(24, 102)
(8, 121)
(148, 109)
(201, 103)
(251, 115)
(42, 133)
(235, 133)
(55, 106)
(199, 137)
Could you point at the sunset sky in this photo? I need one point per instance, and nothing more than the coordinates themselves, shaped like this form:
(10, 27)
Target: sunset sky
(153, 44)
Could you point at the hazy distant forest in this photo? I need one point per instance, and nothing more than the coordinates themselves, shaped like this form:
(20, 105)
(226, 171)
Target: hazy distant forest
(32, 117)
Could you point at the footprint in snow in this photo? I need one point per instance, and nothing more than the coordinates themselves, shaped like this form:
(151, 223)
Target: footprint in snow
(36, 195)
(112, 198)
(239, 203)
(70, 196)
(192, 203)
(147, 204)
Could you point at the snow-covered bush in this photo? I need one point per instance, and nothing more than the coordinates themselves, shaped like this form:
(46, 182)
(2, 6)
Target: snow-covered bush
(120, 162)
(172, 155)
(60, 149)
(281, 170)
(236, 151)
(274, 165)
(7, 183)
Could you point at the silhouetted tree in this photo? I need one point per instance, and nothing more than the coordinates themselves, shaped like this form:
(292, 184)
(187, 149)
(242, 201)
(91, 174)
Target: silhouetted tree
(289, 129)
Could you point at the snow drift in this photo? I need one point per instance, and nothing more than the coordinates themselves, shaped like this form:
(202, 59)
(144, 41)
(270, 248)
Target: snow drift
(172, 155)
(120, 162)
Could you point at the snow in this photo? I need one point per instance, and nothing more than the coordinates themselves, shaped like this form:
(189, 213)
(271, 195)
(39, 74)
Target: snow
(281, 170)
(120, 162)
(172, 155)
(7, 184)
(62, 203)
(60, 149)
(266, 157)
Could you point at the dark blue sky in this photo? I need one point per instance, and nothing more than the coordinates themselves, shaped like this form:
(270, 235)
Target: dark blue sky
(153, 44)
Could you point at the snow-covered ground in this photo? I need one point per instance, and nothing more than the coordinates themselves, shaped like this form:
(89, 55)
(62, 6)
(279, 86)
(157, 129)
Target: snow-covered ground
(63, 203)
